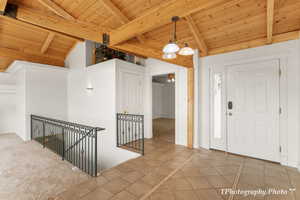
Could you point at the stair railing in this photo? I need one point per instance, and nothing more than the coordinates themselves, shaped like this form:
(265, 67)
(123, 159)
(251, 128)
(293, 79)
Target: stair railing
(75, 143)
(130, 132)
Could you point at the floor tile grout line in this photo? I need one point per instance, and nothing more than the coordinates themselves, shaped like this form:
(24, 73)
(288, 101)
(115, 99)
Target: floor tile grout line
(166, 178)
(236, 180)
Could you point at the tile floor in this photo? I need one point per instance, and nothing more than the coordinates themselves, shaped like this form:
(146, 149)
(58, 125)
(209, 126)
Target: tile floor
(29, 172)
(172, 172)
(166, 172)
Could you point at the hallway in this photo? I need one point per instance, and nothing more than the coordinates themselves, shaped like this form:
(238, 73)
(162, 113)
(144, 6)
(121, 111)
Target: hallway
(164, 130)
(172, 172)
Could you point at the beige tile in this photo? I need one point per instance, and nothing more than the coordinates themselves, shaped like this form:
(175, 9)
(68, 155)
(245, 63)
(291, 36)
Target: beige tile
(199, 182)
(179, 184)
(165, 195)
(111, 174)
(116, 185)
(252, 180)
(288, 196)
(186, 195)
(124, 195)
(208, 194)
(228, 170)
(133, 176)
(152, 179)
(139, 188)
(218, 181)
(98, 194)
(208, 171)
(277, 182)
(101, 180)
(191, 171)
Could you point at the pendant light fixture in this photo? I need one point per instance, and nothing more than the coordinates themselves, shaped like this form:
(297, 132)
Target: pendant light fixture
(172, 48)
(186, 50)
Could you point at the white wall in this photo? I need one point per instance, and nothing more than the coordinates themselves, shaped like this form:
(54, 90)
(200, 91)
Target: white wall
(288, 54)
(40, 90)
(156, 67)
(7, 108)
(97, 108)
(76, 59)
(19, 75)
(163, 100)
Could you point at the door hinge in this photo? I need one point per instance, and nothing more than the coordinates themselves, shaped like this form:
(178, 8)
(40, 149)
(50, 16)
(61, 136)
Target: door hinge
(280, 72)
(280, 110)
(280, 149)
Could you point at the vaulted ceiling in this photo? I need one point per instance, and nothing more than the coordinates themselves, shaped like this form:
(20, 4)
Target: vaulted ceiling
(46, 30)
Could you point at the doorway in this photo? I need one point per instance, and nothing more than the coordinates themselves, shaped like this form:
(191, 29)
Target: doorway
(245, 109)
(163, 107)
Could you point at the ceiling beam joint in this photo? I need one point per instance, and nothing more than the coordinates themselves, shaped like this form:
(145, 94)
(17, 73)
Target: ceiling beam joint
(159, 16)
(56, 9)
(109, 5)
(197, 35)
(47, 42)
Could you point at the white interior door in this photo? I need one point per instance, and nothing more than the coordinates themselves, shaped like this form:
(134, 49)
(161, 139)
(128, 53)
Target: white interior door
(253, 120)
(131, 92)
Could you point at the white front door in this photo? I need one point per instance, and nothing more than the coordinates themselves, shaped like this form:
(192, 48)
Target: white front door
(253, 116)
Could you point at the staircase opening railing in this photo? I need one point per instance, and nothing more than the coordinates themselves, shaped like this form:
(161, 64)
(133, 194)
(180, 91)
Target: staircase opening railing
(75, 143)
(130, 132)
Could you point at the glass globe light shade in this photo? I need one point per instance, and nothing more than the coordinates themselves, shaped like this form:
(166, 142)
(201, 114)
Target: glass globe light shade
(186, 51)
(171, 47)
(169, 56)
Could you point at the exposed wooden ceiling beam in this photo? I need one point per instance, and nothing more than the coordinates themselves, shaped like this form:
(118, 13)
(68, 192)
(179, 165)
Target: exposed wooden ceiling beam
(270, 20)
(109, 5)
(47, 42)
(135, 46)
(255, 43)
(159, 16)
(197, 35)
(2, 6)
(44, 29)
(36, 58)
(115, 11)
(56, 9)
(55, 23)
(59, 25)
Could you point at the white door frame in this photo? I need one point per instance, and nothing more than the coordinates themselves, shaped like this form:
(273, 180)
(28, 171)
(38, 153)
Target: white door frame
(180, 102)
(283, 59)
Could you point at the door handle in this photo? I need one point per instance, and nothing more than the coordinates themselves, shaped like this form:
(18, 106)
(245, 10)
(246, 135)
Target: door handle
(230, 113)
(230, 105)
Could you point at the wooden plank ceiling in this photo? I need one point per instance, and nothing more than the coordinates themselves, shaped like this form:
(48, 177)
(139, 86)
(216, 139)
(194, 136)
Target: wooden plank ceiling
(46, 30)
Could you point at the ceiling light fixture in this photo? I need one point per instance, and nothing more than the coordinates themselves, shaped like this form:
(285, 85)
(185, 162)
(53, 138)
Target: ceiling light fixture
(186, 50)
(171, 48)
